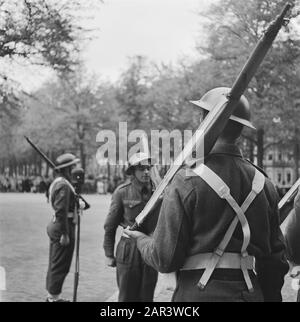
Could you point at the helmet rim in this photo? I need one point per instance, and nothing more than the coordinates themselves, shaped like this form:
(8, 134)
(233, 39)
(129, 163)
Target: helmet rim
(136, 159)
(232, 117)
(240, 115)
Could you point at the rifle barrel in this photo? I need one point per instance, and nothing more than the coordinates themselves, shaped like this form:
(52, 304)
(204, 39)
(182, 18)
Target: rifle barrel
(217, 118)
(43, 155)
(51, 164)
(258, 55)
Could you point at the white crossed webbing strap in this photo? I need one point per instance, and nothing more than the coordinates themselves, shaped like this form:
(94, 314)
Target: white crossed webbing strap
(223, 191)
(59, 179)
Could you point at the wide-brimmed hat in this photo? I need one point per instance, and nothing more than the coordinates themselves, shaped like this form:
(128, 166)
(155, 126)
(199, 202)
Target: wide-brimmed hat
(241, 113)
(138, 158)
(66, 160)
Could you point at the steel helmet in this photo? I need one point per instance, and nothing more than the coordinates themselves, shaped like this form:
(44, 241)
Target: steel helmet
(66, 160)
(136, 159)
(241, 113)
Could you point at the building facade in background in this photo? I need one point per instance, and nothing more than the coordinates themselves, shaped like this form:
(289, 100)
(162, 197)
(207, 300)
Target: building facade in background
(279, 165)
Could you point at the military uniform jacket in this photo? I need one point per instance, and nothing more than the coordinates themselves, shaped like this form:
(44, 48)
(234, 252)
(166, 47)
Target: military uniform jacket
(128, 201)
(193, 219)
(63, 202)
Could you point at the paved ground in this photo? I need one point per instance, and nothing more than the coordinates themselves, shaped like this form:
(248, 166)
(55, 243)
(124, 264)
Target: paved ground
(24, 252)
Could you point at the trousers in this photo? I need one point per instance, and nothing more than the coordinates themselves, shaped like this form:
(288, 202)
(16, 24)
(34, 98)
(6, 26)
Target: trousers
(218, 289)
(60, 257)
(136, 280)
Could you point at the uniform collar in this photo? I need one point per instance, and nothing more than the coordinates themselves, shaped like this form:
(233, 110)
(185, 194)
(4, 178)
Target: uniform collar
(226, 148)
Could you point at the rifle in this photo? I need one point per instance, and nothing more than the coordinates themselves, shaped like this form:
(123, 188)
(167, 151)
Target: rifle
(216, 120)
(52, 165)
(77, 244)
(77, 181)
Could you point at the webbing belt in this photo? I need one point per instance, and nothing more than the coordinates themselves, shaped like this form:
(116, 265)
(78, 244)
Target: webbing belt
(227, 261)
(223, 191)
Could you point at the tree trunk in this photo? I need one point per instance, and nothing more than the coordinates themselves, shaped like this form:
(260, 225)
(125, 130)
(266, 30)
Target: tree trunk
(260, 148)
(47, 165)
(81, 135)
(40, 167)
(2, 167)
(251, 150)
(108, 173)
(296, 151)
(82, 155)
(11, 166)
(15, 168)
(35, 162)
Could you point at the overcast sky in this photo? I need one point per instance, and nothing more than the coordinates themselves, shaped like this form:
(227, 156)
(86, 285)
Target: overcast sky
(163, 30)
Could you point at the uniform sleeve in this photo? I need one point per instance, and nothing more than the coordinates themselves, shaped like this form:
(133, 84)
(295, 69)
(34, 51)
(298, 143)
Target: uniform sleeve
(112, 222)
(61, 204)
(166, 250)
(271, 269)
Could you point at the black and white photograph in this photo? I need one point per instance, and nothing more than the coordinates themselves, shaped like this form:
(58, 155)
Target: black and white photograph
(149, 152)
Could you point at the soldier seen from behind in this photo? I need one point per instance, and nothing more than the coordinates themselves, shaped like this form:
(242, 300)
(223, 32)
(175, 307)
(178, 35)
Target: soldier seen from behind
(218, 227)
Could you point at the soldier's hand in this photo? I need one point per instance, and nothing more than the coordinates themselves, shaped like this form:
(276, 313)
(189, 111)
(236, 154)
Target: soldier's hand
(295, 272)
(133, 233)
(110, 261)
(81, 205)
(64, 240)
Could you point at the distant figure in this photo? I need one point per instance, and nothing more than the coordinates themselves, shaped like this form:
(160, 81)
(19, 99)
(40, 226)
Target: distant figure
(61, 230)
(7, 185)
(42, 186)
(48, 182)
(100, 187)
(27, 185)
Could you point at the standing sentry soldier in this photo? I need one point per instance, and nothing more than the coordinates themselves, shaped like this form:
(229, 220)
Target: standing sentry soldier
(219, 224)
(136, 280)
(61, 230)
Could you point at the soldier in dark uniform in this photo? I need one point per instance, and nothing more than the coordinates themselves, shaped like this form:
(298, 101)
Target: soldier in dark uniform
(61, 230)
(135, 279)
(219, 224)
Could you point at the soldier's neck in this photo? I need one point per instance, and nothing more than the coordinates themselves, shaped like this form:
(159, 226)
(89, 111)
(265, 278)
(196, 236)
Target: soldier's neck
(222, 140)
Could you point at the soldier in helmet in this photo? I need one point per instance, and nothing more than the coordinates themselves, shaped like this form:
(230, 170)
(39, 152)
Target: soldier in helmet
(218, 227)
(136, 280)
(61, 230)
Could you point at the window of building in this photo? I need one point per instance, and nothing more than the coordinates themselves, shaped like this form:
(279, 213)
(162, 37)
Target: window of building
(279, 156)
(270, 157)
(279, 177)
(288, 177)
